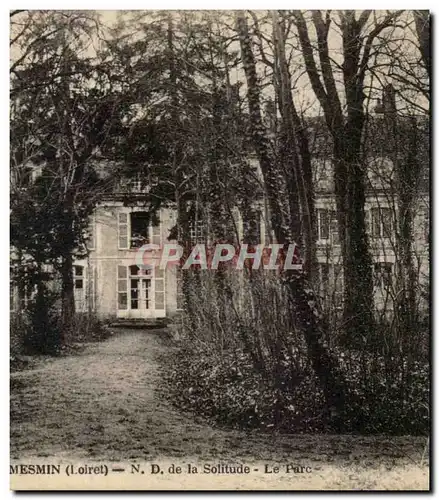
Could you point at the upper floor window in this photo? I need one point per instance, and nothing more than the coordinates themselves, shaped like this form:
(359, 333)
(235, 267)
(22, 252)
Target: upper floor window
(135, 184)
(380, 172)
(139, 229)
(140, 182)
(135, 229)
(197, 233)
(327, 225)
(323, 173)
(383, 275)
(382, 222)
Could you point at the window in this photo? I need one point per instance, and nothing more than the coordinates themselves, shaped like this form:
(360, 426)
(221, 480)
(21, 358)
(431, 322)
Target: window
(380, 172)
(140, 182)
(322, 169)
(323, 224)
(135, 230)
(79, 287)
(383, 275)
(78, 273)
(135, 184)
(328, 225)
(382, 222)
(134, 293)
(139, 229)
(335, 239)
(134, 288)
(196, 231)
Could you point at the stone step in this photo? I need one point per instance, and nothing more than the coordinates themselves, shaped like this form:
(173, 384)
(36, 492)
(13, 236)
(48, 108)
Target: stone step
(139, 323)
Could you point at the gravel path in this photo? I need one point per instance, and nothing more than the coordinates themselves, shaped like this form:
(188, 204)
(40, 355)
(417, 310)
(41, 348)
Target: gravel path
(103, 404)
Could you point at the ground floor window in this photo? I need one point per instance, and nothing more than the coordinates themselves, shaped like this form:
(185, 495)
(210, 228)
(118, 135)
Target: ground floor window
(84, 287)
(140, 289)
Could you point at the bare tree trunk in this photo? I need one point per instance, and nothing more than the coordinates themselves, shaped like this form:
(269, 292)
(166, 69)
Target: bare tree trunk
(303, 304)
(67, 296)
(422, 22)
(298, 157)
(349, 170)
(405, 147)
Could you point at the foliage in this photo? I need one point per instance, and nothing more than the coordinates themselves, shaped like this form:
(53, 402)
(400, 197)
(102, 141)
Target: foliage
(171, 100)
(43, 333)
(88, 328)
(231, 392)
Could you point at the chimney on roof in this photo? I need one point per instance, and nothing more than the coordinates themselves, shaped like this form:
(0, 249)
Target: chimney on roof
(388, 103)
(379, 108)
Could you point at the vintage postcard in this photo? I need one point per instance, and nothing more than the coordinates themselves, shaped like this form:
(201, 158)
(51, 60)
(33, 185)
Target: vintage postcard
(220, 250)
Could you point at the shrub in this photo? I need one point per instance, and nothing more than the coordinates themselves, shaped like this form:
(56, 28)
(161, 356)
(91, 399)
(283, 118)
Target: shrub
(243, 363)
(231, 392)
(87, 327)
(41, 334)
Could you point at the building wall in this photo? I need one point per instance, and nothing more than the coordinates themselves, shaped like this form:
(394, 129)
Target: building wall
(101, 267)
(105, 256)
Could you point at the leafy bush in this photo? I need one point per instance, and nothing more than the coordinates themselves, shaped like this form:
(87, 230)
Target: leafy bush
(41, 333)
(89, 328)
(243, 363)
(387, 399)
(230, 391)
(36, 330)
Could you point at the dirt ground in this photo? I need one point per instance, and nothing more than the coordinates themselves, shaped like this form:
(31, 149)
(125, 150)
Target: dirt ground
(103, 405)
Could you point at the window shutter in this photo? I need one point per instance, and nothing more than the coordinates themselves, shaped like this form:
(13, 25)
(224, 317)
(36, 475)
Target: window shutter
(122, 287)
(156, 235)
(159, 288)
(387, 222)
(323, 222)
(123, 230)
(375, 223)
(367, 221)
